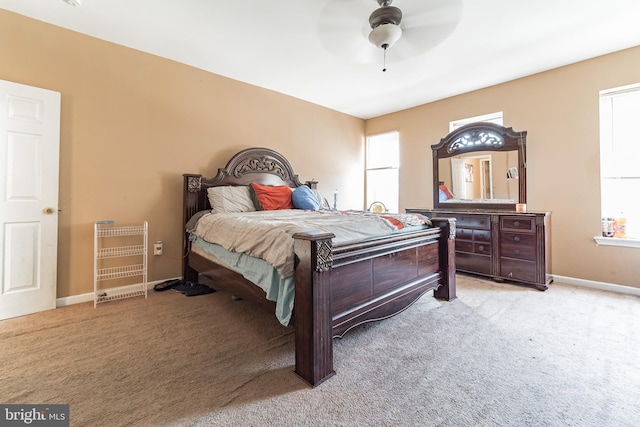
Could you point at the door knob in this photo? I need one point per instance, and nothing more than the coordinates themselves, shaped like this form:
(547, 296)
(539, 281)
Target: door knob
(48, 211)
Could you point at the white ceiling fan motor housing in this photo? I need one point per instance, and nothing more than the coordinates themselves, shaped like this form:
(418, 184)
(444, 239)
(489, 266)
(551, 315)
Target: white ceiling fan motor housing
(385, 35)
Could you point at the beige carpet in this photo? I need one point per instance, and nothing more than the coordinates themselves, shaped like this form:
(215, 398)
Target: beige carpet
(500, 355)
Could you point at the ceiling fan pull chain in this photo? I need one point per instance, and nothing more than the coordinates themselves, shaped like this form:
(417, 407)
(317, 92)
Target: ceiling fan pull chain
(384, 59)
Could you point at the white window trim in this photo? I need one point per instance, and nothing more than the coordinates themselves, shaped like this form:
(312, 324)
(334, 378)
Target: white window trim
(620, 90)
(616, 241)
(496, 117)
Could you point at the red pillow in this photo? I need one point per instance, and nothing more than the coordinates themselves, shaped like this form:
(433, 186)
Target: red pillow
(271, 198)
(446, 191)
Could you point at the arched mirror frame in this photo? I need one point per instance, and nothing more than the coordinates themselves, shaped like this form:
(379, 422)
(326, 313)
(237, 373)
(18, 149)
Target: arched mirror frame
(475, 137)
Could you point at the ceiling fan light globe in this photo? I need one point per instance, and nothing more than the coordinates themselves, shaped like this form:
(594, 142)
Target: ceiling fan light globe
(385, 34)
(73, 2)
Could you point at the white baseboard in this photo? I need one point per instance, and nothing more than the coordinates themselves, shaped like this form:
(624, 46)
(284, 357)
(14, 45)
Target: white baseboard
(88, 297)
(629, 290)
(74, 299)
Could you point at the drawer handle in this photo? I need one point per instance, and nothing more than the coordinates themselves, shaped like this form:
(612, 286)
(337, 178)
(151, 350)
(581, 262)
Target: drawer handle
(516, 223)
(516, 239)
(481, 248)
(516, 270)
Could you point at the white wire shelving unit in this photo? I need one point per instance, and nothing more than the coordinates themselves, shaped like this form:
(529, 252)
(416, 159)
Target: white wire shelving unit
(112, 242)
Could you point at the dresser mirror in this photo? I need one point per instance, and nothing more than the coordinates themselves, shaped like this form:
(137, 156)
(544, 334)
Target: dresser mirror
(480, 166)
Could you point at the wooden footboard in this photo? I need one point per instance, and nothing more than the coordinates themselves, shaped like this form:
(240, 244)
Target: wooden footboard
(339, 288)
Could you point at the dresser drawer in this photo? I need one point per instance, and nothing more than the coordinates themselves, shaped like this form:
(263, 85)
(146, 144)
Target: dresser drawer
(476, 248)
(475, 235)
(464, 246)
(464, 234)
(476, 241)
(518, 245)
(518, 223)
(482, 248)
(512, 269)
(482, 236)
(473, 263)
(474, 221)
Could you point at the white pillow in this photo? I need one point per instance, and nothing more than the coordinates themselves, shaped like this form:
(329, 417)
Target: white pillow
(228, 199)
(324, 203)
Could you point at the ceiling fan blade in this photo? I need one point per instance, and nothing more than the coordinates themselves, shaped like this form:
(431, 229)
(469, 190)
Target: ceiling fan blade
(418, 40)
(346, 12)
(353, 49)
(426, 25)
(343, 29)
(425, 12)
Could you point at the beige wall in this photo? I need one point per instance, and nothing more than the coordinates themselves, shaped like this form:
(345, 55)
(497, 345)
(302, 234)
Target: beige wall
(559, 109)
(133, 123)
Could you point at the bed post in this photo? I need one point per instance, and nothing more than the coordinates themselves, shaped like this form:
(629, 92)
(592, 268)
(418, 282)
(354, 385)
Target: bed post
(447, 291)
(312, 307)
(191, 204)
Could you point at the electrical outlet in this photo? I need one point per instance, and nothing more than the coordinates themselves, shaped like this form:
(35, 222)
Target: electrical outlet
(157, 248)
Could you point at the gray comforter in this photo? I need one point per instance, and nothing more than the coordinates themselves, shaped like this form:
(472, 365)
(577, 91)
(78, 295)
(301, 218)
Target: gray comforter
(268, 234)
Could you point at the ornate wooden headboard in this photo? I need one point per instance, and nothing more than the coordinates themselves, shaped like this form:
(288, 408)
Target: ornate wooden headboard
(260, 165)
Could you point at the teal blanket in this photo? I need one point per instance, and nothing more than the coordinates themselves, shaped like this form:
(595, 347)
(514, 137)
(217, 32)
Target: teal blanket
(258, 271)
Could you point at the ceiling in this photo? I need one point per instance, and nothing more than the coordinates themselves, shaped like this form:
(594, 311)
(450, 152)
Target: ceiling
(290, 46)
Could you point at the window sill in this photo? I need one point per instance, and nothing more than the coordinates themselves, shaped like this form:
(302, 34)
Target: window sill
(612, 241)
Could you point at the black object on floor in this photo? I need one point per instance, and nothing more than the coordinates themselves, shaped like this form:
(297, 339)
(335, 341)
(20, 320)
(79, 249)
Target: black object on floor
(184, 285)
(198, 289)
(169, 284)
(191, 289)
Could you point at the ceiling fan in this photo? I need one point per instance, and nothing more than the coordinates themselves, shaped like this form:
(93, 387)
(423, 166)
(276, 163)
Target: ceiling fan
(356, 30)
(385, 25)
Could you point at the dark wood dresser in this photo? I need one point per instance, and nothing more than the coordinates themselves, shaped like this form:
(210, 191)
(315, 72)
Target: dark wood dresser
(503, 245)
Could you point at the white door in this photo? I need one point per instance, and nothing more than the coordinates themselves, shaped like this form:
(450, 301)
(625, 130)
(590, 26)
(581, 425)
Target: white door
(458, 185)
(29, 163)
(486, 183)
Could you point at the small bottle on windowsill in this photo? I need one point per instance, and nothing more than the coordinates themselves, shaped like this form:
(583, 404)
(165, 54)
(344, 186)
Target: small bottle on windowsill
(608, 227)
(621, 226)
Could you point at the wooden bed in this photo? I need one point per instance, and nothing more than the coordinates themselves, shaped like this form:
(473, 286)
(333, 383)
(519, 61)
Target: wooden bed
(336, 287)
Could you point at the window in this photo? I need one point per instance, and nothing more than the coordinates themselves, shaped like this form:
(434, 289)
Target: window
(383, 161)
(490, 118)
(620, 156)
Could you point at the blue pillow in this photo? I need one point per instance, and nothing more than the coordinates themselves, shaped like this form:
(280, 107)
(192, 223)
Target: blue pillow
(303, 198)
